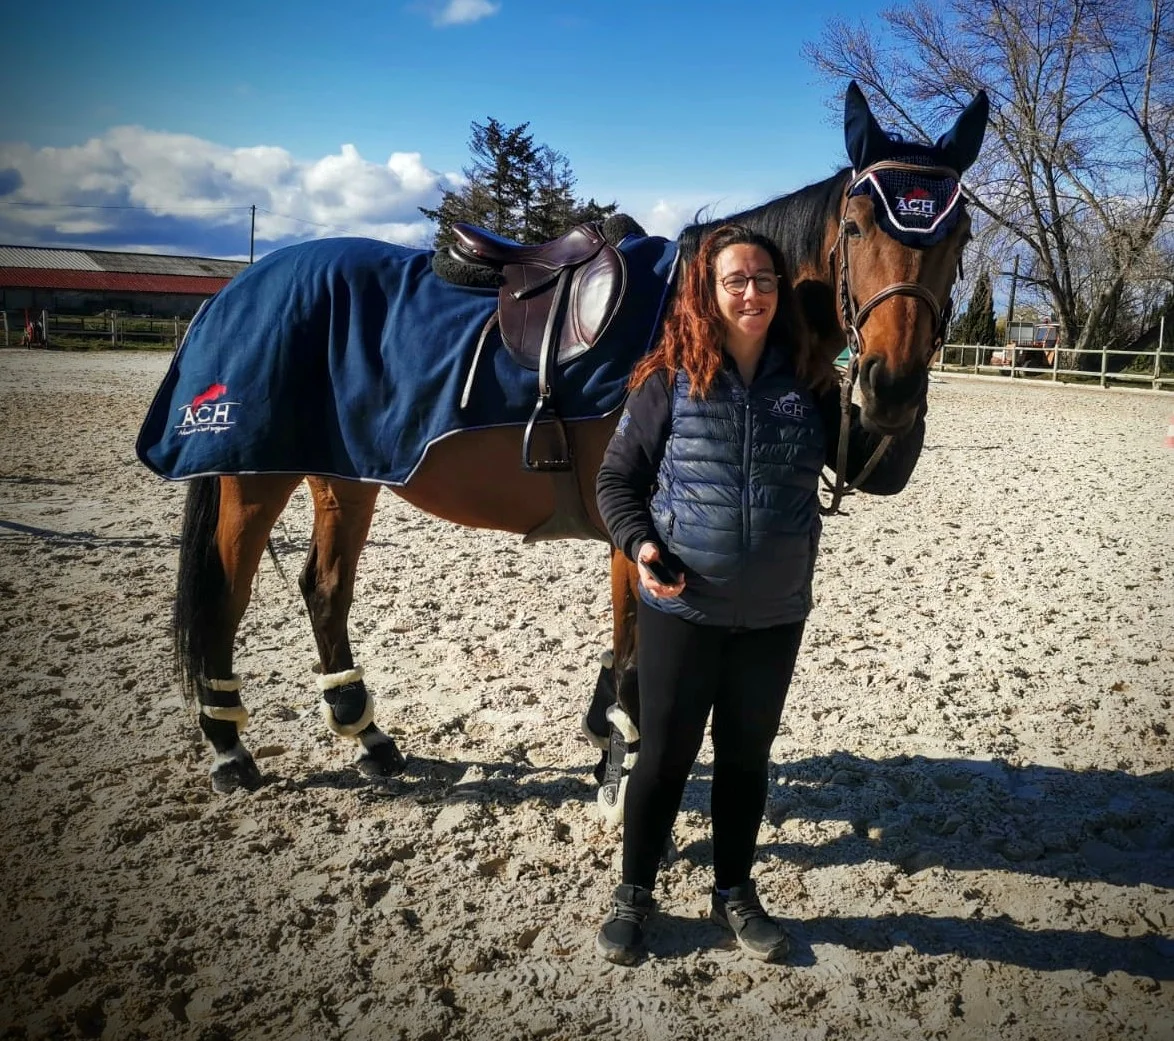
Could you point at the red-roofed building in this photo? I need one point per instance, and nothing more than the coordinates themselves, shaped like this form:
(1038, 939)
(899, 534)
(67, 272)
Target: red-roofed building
(90, 281)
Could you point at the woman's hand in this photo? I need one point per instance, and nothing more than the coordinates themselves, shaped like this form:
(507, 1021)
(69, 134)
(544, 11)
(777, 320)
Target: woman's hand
(649, 551)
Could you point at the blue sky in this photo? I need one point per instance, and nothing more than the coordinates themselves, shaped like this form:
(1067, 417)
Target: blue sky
(347, 116)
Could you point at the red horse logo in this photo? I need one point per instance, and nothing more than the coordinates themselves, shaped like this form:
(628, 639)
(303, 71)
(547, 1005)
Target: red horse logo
(217, 390)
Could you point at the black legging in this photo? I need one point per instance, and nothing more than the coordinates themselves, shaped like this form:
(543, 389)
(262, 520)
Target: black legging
(685, 670)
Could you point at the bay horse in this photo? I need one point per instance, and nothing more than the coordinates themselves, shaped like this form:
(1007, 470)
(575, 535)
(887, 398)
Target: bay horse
(872, 252)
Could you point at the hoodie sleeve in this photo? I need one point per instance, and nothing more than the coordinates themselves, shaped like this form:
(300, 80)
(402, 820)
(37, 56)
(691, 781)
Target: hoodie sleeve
(895, 467)
(627, 477)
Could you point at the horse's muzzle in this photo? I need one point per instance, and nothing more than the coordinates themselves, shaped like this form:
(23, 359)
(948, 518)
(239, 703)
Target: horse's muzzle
(890, 402)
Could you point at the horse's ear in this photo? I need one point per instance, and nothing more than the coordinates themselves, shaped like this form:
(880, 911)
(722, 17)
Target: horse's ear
(961, 143)
(866, 142)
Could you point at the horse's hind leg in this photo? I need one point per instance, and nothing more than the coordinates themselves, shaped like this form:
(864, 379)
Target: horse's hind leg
(342, 518)
(226, 525)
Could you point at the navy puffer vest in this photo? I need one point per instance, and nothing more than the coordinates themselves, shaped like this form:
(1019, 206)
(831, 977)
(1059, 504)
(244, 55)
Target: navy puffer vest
(737, 497)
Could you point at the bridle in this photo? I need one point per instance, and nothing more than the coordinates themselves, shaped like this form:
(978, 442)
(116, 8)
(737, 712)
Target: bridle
(852, 317)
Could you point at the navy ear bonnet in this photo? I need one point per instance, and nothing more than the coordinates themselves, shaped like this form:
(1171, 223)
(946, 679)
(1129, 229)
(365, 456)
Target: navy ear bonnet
(916, 209)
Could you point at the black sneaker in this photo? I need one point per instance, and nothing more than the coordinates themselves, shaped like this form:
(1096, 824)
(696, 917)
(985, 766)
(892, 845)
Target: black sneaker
(757, 933)
(621, 937)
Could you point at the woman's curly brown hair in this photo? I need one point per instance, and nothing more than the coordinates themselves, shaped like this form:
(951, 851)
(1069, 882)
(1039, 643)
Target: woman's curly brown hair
(695, 330)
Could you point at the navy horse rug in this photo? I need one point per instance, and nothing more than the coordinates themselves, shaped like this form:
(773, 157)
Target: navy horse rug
(347, 358)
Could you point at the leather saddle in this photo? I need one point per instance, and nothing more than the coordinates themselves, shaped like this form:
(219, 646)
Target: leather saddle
(556, 301)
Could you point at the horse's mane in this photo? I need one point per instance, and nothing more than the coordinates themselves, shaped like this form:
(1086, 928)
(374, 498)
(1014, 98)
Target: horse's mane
(796, 222)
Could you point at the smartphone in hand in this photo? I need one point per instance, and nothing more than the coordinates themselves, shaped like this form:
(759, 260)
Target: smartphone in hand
(661, 572)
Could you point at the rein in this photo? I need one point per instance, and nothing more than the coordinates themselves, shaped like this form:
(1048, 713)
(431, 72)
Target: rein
(852, 317)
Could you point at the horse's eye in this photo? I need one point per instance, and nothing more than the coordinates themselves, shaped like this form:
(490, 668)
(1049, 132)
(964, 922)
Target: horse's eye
(851, 229)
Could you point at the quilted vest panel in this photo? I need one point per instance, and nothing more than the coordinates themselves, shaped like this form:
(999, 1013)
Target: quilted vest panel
(737, 499)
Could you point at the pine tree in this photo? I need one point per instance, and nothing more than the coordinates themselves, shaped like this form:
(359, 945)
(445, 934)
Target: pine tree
(503, 162)
(514, 188)
(592, 211)
(983, 306)
(553, 199)
(470, 204)
(976, 325)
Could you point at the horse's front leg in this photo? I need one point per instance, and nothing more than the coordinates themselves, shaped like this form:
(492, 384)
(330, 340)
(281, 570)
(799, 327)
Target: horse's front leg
(623, 715)
(342, 518)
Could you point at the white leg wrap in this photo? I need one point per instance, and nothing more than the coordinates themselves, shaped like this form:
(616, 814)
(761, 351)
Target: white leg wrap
(330, 681)
(237, 714)
(620, 719)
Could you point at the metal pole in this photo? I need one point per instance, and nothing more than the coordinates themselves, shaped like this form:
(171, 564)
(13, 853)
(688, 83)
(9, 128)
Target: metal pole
(5, 328)
(1011, 302)
(1157, 353)
(44, 327)
(1104, 362)
(252, 231)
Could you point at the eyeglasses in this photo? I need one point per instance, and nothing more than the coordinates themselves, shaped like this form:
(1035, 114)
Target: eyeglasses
(764, 282)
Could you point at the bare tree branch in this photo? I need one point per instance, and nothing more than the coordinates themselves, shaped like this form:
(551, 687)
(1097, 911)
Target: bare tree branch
(1078, 164)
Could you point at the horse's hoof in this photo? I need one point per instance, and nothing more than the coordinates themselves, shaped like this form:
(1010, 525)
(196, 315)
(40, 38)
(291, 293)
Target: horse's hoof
(235, 771)
(381, 760)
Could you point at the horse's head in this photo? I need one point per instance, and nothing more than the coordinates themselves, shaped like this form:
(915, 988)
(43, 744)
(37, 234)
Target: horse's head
(903, 225)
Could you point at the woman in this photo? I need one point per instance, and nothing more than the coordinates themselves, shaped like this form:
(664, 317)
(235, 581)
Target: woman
(711, 479)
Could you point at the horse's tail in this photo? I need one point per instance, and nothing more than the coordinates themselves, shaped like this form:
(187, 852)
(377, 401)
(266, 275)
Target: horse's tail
(201, 586)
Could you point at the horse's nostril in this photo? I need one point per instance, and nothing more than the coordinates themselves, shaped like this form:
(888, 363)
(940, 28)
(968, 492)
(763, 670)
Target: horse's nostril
(868, 372)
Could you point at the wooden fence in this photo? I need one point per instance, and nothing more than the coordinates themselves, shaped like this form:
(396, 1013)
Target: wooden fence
(94, 331)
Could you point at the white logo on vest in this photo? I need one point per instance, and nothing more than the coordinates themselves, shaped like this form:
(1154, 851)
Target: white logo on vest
(790, 405)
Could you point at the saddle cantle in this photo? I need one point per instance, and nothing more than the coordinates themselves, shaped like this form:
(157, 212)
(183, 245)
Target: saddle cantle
(556, 301)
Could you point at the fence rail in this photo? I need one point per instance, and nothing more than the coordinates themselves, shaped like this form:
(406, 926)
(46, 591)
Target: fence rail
(87, 331)
(1155, 367)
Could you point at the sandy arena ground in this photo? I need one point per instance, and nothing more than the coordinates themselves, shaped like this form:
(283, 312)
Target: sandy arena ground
(971, 817)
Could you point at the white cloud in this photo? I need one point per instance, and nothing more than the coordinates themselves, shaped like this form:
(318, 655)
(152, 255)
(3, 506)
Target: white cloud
(108, 186)
(462, 12)
(666, 218)
(669, 216)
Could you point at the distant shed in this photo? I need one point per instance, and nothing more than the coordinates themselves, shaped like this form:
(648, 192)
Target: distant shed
(90, 281)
